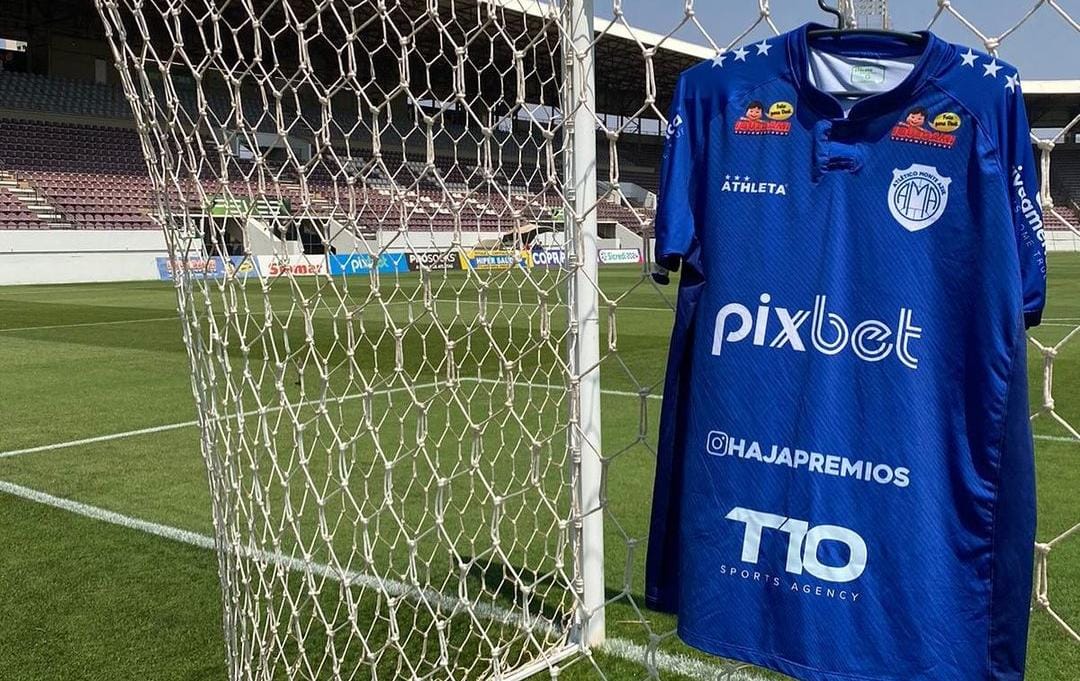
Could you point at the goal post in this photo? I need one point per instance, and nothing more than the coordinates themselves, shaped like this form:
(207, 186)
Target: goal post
(385, 221)
(398, 393)
(581, 227)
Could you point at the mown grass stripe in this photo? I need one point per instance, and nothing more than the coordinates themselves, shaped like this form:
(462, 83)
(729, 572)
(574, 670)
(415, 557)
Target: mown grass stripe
(617, 647)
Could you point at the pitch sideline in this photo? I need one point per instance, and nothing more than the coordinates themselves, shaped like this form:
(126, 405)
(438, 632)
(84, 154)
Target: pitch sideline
(669, 662)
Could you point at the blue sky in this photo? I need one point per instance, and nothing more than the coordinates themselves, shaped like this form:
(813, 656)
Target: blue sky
(1045, 47)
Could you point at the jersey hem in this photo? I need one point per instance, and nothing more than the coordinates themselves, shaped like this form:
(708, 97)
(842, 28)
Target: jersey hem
(661, 603)
(769, 661)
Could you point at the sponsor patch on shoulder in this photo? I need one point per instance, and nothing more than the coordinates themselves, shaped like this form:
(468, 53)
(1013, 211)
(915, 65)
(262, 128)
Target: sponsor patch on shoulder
(757, 120)
(913, 128)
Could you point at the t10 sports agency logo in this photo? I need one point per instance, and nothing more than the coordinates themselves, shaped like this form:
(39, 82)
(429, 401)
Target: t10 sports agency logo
(803, 542)
(871, 340)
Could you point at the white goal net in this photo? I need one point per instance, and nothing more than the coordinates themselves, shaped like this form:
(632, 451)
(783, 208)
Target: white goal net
(408, 238)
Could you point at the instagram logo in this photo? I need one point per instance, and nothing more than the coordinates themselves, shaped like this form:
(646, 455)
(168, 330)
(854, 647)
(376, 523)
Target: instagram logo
(716, 443)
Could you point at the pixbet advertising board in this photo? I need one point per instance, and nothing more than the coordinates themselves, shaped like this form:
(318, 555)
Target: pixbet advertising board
(351, 264)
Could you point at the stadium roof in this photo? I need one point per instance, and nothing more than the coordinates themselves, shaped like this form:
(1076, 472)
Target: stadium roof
(1051, 103)
(525, 25)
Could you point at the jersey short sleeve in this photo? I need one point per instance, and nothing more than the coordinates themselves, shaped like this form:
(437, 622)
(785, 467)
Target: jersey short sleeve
(674, 215)
(1018, 162)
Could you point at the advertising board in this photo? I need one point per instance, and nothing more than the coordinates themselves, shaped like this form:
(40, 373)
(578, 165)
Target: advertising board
(292, 265)
(212, 267)
(433, 260)
(547, 257)
(493, 259)
(351, 264)
(619, 256)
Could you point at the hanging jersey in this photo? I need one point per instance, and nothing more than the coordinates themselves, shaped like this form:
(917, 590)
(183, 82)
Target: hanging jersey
(844, 487)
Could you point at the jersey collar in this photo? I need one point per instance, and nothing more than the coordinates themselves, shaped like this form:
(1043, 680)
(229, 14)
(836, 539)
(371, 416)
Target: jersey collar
(933, 53)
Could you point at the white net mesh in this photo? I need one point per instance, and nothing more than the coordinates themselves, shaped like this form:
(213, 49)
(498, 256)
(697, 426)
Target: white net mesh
(397, 385)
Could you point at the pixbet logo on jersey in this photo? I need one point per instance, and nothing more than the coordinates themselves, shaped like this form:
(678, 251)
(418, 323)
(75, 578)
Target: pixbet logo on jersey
(871, 340)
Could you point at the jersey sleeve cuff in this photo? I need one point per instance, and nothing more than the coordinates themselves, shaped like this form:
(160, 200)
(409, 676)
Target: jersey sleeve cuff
(669, 261)
(1032, 318)
(661, 601)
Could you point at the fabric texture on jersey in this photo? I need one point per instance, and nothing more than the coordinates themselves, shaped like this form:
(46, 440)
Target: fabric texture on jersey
(845, 478)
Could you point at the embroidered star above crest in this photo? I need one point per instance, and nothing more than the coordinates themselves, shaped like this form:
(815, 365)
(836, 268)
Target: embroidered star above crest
(763, 47)
(740, 54)
(1011, 82)
(718, 60)
(991, 69)
(969, 58)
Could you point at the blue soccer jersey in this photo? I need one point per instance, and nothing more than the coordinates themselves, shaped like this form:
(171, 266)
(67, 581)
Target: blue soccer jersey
(845, 485)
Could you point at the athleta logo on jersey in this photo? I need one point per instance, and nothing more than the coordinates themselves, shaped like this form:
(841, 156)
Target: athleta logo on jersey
(871, 340)
(742, 184)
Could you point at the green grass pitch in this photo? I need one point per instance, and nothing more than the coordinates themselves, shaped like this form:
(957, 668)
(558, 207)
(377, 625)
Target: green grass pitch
(85, 599)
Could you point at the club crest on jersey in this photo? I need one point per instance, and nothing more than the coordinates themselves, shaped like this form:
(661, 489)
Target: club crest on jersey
(755, 120)
(913, 128)
(918, 196)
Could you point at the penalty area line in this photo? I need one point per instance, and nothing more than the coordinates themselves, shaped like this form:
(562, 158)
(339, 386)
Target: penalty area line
(80, 324)
(674, 663)
(189, 424)
(98, 438)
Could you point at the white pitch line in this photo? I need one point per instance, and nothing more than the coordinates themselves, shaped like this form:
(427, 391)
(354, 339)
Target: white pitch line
(1057, 438)
(292, 563)
(188, 424)
(95, 513)
(98, 438)
(674, 662)
(72, 326)
(442, 302)
(253, 412)
(628, 650)
(553, 386)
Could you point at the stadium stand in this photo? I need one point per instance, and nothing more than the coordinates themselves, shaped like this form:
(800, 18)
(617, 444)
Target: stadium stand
(37, 93)
(1069, 215)
(1065, 175)
(95, 177)
(15, 215)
